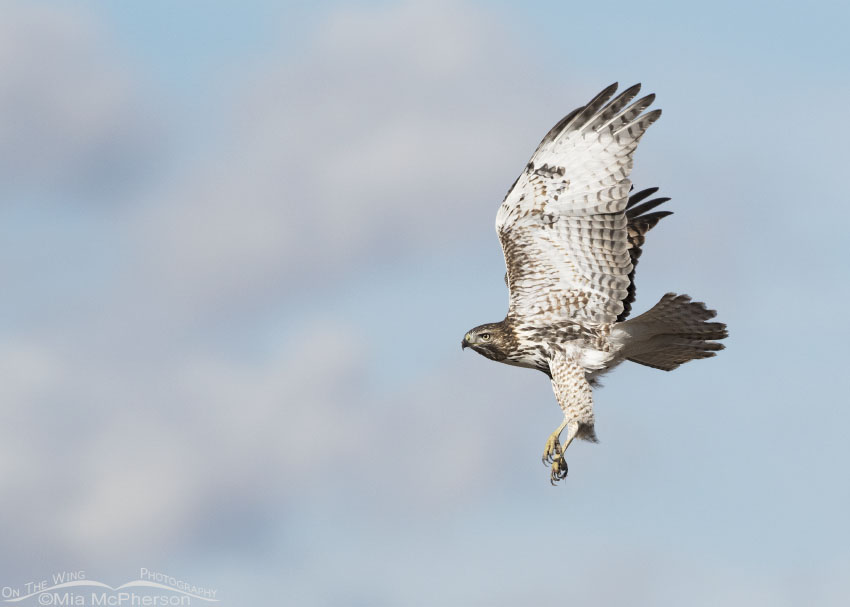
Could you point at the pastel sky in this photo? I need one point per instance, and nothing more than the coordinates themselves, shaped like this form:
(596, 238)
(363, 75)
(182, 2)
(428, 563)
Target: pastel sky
(241, 241)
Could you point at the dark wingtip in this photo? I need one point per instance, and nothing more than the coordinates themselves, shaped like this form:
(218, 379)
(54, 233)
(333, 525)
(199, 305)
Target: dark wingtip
(639, 196)
(600, 99)
(638, 211)
(602, 96)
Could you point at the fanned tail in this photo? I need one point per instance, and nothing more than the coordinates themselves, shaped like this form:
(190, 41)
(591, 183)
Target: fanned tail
(671, 333)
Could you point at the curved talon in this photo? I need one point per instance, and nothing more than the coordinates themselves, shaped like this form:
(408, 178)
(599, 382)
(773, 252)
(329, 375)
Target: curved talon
(552, 450)
(559, 470)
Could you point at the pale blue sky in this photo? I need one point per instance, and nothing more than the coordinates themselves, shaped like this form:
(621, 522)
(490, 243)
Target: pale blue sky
(242, 241)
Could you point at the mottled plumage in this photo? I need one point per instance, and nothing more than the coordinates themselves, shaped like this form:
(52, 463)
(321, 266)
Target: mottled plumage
(572, 236)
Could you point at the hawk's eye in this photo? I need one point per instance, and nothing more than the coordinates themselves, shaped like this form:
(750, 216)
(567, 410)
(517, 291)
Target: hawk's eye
(485, 337)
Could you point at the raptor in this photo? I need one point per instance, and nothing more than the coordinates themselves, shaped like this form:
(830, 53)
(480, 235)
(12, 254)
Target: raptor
(571, 231)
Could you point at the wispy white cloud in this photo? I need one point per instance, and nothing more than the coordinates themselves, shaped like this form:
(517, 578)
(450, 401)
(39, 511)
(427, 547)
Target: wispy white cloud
(71, 122)
(130, 391)
(385, 135)
(155, 462)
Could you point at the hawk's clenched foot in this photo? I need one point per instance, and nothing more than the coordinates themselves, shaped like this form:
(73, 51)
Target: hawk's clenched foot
(553, 452)
(559, 470)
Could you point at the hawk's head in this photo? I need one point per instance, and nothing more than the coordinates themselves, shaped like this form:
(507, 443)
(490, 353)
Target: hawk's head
(490, 340)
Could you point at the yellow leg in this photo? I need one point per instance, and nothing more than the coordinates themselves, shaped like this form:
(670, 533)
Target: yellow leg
(552, 450)
(553, 453)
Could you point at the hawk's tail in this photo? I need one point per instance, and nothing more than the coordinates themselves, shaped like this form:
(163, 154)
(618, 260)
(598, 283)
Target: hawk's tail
(672, 332)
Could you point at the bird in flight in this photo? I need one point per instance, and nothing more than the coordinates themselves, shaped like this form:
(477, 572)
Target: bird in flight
(571, 232)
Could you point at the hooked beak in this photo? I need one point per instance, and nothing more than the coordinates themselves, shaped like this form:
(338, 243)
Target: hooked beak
(465, 343)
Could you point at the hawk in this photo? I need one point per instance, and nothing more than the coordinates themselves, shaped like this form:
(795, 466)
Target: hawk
(571, 233)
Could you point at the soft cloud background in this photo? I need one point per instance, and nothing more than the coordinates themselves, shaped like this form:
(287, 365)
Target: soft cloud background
(240, 244)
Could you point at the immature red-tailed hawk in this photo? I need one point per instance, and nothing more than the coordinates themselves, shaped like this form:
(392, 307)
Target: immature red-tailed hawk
(572, 235)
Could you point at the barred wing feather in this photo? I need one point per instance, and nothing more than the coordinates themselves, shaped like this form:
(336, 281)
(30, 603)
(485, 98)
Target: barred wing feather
(563, 225)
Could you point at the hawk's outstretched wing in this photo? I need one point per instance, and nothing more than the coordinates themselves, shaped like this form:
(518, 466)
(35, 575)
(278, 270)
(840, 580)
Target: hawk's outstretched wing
(563, 225)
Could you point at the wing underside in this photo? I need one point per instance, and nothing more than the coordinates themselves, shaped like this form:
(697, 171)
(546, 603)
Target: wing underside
(563, 226)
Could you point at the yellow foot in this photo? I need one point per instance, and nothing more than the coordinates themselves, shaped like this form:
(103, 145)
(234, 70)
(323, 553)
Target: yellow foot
(559, 470)
(552, 450)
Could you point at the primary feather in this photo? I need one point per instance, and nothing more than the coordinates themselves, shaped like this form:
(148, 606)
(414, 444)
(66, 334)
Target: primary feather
(563, 224)
(571, 235)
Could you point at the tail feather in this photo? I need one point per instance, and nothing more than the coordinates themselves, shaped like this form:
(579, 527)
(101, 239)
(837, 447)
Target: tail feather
(668, 352)
(672, 332)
